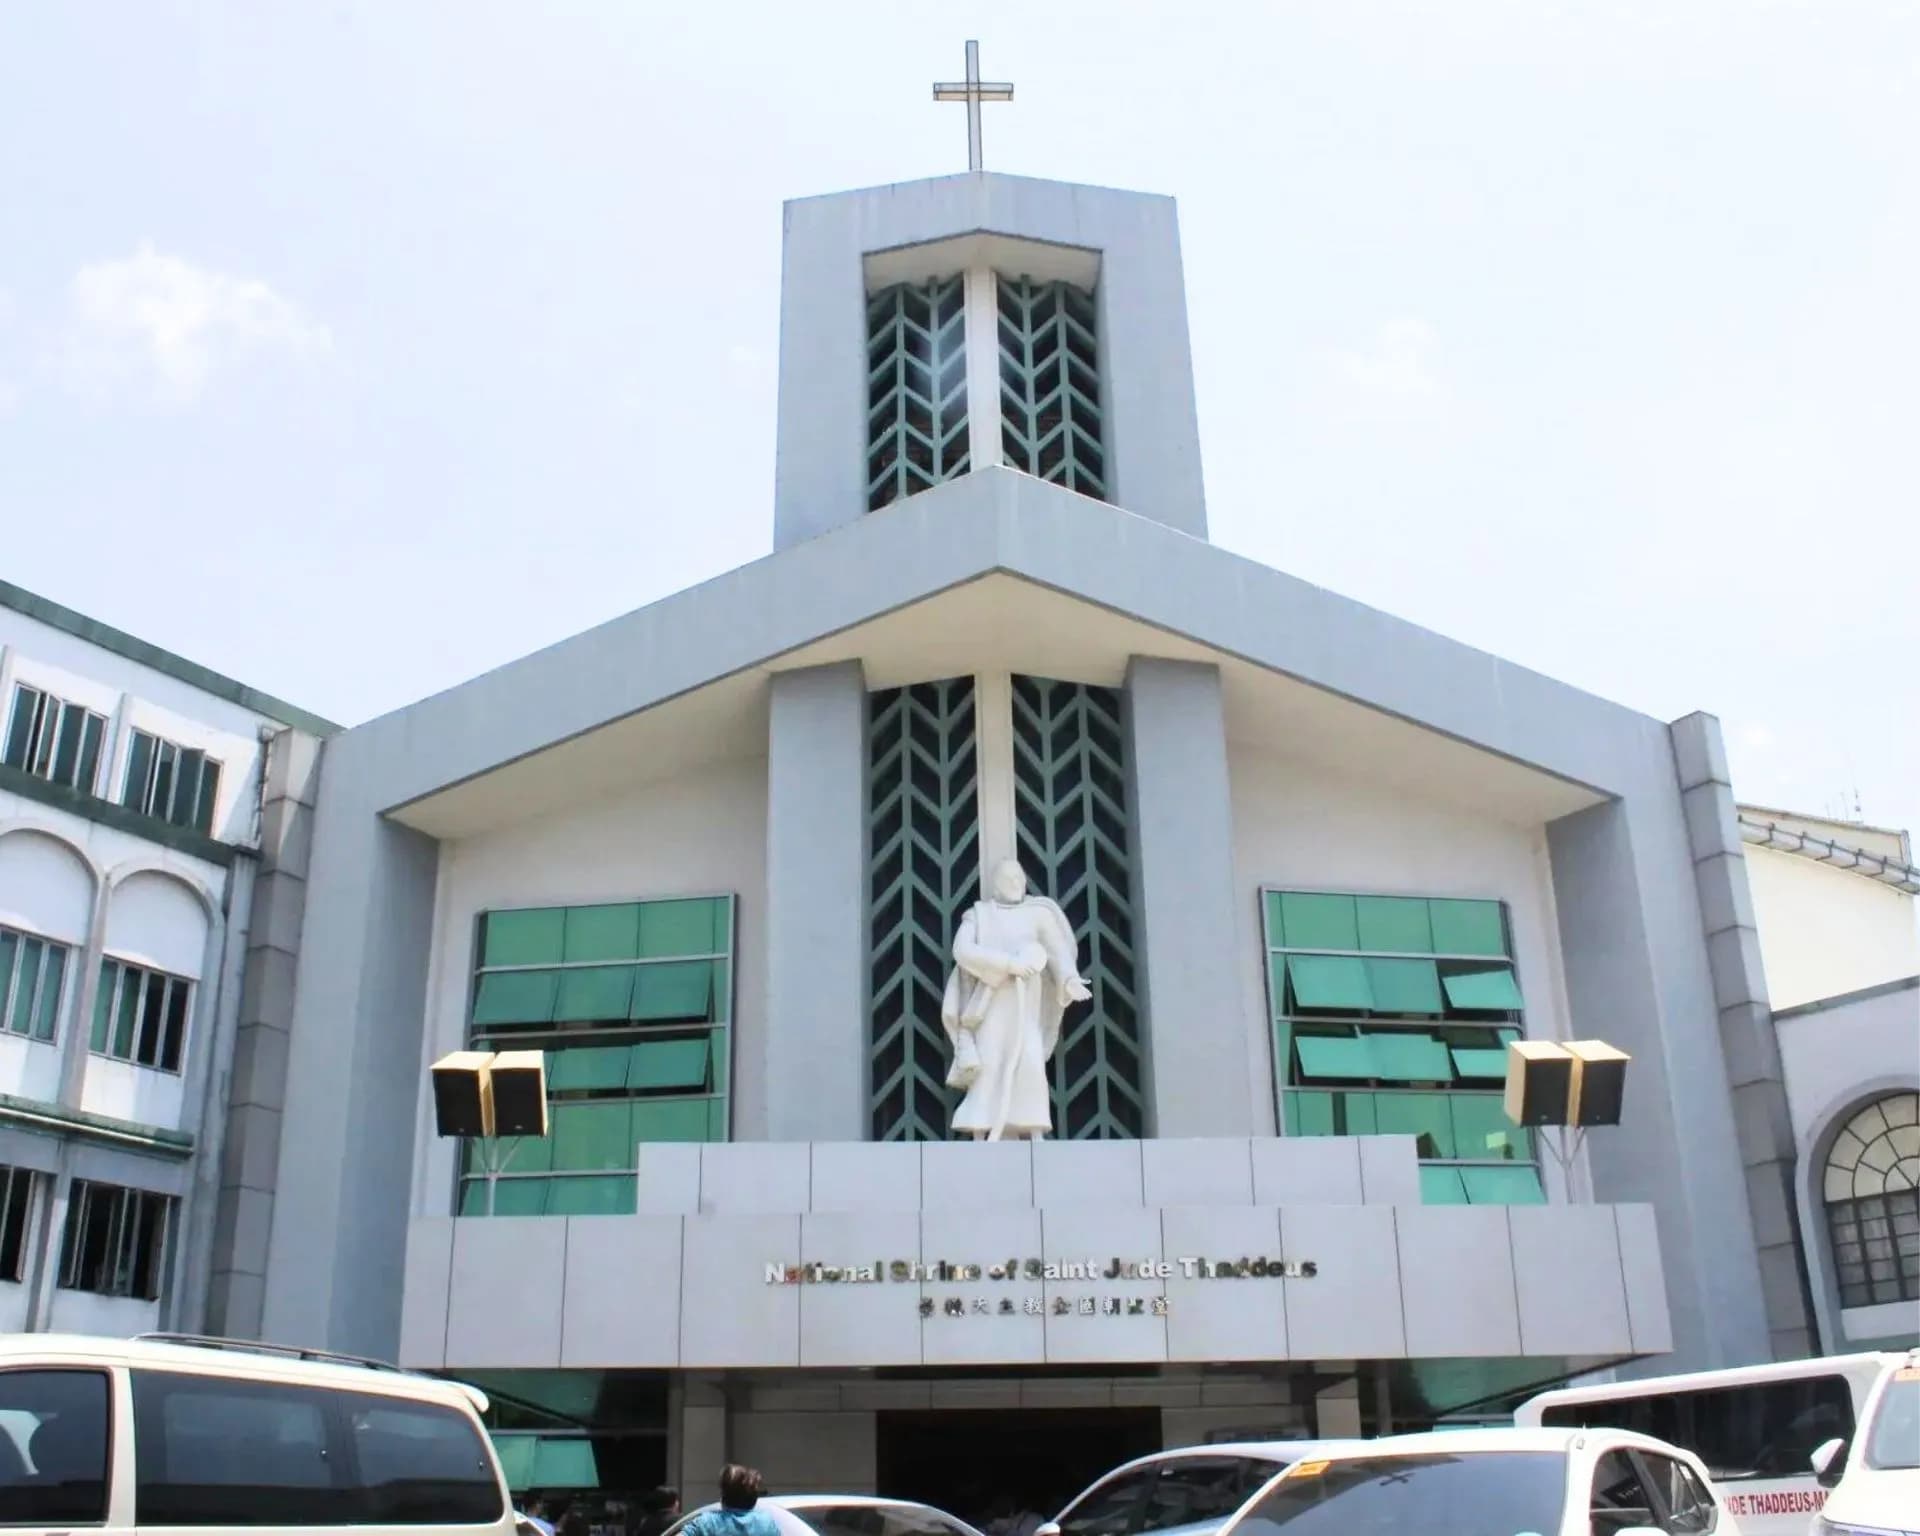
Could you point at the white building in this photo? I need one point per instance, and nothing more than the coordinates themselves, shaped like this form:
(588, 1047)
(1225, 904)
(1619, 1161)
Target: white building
(147, 806)
(1839, 928)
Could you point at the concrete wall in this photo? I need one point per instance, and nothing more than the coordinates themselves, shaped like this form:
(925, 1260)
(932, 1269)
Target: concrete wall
(1150, 428)
(1300, 826)
(1826, 932)
(702, 834)
(683, 1283)
(1839, 1056)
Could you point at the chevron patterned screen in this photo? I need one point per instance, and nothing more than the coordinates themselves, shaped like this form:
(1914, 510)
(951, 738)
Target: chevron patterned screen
(1070, 803)
(1050, 384)
(916, 388)
(923, 873)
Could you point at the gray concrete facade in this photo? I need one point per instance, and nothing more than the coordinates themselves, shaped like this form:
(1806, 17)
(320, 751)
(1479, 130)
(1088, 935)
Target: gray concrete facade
(816, 904)
(1763, 1123)
(1151, 429)
(1183, 894)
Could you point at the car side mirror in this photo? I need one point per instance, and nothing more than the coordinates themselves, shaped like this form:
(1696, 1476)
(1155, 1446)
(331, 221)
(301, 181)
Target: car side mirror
(1829, 1460)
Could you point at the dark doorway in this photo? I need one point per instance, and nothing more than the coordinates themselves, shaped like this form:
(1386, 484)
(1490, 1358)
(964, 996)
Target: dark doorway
(965, 1459)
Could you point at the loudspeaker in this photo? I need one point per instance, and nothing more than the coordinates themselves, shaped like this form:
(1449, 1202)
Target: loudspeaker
(520, 1093)
(1599, 1081)
(1539, 1082)
(462, 1094)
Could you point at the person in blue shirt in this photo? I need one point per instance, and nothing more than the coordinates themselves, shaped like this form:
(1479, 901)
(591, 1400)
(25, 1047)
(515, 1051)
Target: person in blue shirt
(740, 1491)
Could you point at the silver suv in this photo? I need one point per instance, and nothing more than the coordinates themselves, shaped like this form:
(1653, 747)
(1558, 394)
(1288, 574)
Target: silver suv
(1181, 1493)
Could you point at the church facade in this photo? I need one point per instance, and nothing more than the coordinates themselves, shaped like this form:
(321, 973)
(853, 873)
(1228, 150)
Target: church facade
(1320, 867)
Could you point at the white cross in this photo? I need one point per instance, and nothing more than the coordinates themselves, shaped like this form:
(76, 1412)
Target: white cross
(973, 90)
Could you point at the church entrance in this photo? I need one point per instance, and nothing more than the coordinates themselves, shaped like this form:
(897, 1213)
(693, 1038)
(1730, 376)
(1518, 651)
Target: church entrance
(965, 1460)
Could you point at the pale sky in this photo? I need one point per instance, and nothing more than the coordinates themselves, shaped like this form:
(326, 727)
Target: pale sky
(356, 348)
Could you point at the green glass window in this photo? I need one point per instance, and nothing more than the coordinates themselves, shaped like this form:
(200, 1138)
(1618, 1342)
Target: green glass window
(33, 974)
(1380, 1012)
(631, 1002)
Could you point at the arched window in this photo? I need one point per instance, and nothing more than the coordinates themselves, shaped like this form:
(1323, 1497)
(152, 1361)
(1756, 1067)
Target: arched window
(1872, 1193)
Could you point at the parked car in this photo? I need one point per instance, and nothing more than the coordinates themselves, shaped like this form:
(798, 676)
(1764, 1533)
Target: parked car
(207, 1434)
(1875, 1479)
(848, 1514)
(1548, 1482)
(1190, 1491)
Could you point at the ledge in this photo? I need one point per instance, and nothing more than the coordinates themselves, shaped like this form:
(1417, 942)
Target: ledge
(121, 818)
(87, 1126)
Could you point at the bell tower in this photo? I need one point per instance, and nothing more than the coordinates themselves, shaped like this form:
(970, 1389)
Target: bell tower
(933, 329)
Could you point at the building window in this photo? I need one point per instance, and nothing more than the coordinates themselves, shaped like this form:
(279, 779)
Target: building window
(1050, 383)
(1872, 1192)
(632, 1004)
(1391, 1016)
(16, 1198)
(115, 1241)
(55, 740)
(140, 1015)
(916, 388)
(32, 971)
(175, 783)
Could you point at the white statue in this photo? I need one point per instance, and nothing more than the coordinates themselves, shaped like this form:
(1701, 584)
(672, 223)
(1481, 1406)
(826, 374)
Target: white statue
(1016, 969)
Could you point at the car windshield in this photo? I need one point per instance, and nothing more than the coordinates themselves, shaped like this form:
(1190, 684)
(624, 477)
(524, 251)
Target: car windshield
(878, 1520)
(1893, 1439)
(1473, 1493)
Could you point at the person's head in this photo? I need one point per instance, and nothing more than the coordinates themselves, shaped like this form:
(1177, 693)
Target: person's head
(665, 1501)
(740, 1487)
(574, 1523)
(1009, 880)
(534, 1509)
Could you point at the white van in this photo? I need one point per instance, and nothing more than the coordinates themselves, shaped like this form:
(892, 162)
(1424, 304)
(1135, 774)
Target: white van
(1755, 1427)
(162, 1435)
(1875, 1477)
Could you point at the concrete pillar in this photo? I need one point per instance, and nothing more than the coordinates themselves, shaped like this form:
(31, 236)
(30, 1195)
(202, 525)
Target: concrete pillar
(1762, 1121)
(816, 1042)
(339, 1222)
(1637, 976)
(1183, 893)
(702, 1445)
(1336, 1407)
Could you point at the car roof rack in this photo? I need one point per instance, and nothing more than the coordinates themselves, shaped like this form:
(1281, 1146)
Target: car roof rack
(262, 1347)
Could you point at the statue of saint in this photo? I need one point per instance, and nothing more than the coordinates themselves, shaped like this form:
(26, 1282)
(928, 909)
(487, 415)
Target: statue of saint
(1016, 967)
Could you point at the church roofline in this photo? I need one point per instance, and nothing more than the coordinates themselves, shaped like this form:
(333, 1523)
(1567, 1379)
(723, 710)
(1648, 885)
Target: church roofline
(979, 177)
(994, 521)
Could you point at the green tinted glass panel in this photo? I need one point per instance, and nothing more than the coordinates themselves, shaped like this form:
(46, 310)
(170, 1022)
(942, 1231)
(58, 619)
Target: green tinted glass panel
(515, 1453)
(1468, 928)
(1322, 1057)
(595, 992)
(1318, 922)
(615, 1195)
(1503, 1186)
(516, 1197)
(1442, 1186)
(1277, 983)
(1330, 981)
(9, 949)
(1408, 1058)
(1491, 989)
(1481, 1129)
(473, 1197)
(592, 1136)
(680, 928)
(534, 936)
(603, 933)
(564, 1464)
(1356, 1114)
(669, 1064)
(129, 1013)
(1404, 986)
(1421, 1115)
(1283, 1048)
(28, 967)
(716, 1119)
(1480, 1064)
(525, 1154)
(722, 992)
(671, 1120)
(515, 997)
(1276, 924)
(1309, 1114)
(102, 998)
(1394, 923)
(717, 1082)
(682, 991)
(52, 974)
(600, 1066)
